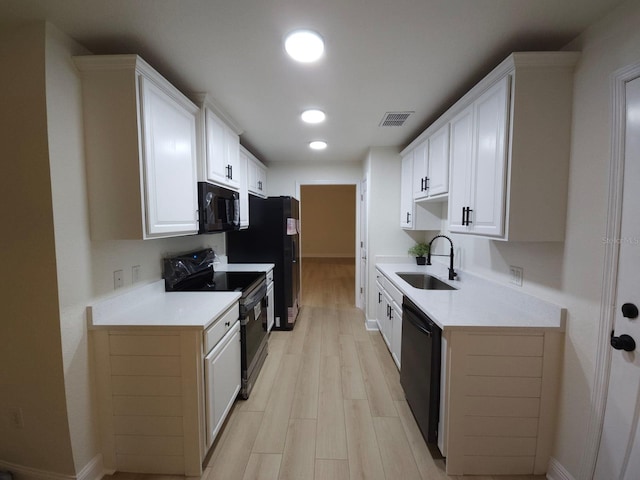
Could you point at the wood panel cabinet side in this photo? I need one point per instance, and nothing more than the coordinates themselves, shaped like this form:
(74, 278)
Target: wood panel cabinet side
(552, 362)
(454, 416)
(102, 367)
(191, 359)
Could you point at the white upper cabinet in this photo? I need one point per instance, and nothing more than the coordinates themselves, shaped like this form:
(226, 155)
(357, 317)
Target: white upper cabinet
(479, 163)
(257, 177)
(222, 151)
(420, 160)
(431, 165)
(461, 151)
(406, 193)
(510, 146)
(416, 216)
(141, 149)
(437, 181)
(244, 189)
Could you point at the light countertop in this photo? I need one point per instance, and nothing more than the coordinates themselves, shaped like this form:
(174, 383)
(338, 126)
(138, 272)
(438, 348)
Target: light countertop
(150, 306)
(476, 302)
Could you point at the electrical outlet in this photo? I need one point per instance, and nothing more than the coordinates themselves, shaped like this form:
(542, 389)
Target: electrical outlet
(517, 273)
(135, 273)
(15, 418)
(117, 279)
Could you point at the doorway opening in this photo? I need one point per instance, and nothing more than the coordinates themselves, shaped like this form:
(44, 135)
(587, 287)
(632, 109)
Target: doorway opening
(328, 233)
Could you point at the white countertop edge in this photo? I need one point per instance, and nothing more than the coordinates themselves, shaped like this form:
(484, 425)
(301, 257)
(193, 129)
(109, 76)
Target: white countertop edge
(149, 306)
(244, 267)
(490, 305)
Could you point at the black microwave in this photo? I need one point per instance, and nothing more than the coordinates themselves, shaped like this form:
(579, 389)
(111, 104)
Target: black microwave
(218, 208)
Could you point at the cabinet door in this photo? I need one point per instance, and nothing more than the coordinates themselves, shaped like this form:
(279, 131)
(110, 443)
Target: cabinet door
(262, 180)
(438, 162)
(396, 334)
(271, 317)
(406, 193)
(488, 188)
(461, 150)
(223, 378)
(232, 156)
(382, 312)
(215, 148)
(420, 157)
(169, 162)
(244, 190)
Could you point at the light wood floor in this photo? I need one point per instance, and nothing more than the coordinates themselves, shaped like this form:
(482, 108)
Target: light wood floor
(328, 404)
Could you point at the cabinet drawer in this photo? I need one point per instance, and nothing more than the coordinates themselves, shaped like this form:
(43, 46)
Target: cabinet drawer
(394, 293)
(215, 332)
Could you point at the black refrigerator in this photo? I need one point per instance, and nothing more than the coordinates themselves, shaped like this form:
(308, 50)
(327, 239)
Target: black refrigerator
(273, 237)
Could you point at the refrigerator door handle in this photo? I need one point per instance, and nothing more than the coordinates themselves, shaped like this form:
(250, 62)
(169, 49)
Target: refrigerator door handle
(293, 253)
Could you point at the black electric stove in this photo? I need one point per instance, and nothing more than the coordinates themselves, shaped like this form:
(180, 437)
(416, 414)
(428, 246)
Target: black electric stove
(193, 272)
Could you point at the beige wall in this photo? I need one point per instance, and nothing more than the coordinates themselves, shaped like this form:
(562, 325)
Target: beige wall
(570, 273)
(328, 220)
(32, 375)
(284, 178)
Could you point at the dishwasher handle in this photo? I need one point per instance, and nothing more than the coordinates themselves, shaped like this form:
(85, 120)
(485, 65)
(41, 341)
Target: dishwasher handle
(416, 322)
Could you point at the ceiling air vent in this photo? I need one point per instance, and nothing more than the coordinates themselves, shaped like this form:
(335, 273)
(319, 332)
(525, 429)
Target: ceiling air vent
(394, 119)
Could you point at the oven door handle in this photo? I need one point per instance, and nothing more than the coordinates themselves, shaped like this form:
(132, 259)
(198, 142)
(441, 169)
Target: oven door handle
(255, 298)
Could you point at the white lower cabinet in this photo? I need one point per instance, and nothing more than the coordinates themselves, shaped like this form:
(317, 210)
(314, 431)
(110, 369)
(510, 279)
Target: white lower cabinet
(222, 372)
(389, 316)
(163, 393)
(141, 149)
(500, 391)
(271, 315)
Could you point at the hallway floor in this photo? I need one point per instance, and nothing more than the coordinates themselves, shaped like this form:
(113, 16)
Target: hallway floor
(328, 404)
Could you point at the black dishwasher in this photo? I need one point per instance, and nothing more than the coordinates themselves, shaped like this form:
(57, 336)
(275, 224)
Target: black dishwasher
(420, 372)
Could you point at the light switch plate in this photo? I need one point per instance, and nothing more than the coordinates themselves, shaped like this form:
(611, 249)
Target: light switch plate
(117, 279)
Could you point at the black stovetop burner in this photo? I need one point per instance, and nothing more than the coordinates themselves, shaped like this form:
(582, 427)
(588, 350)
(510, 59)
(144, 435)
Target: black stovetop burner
(193, 272)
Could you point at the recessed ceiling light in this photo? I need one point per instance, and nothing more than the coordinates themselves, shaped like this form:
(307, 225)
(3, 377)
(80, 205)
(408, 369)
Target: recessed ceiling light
(304, 46)
(318, 145)
(313, 116)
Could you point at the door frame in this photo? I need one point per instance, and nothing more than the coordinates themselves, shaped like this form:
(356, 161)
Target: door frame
(609, 279)
(358, 232)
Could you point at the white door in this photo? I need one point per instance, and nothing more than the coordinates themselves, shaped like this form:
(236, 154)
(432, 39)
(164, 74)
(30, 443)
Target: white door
(619, 453)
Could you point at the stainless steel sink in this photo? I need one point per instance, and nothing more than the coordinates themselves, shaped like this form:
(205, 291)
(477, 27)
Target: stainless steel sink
(424, 281)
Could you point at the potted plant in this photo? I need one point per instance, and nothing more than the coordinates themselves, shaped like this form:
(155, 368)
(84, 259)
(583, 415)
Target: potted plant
(419, 250)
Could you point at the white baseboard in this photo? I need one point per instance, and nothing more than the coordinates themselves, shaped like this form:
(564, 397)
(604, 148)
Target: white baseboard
(556, 471)
(371, 324)
(94, 470)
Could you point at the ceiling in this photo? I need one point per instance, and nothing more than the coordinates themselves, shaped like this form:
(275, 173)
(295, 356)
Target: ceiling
(381, 55)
